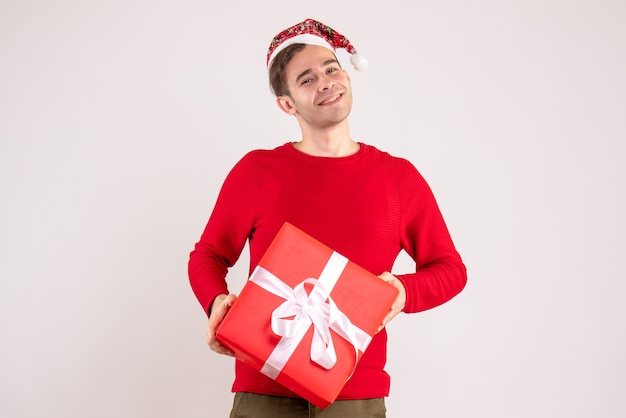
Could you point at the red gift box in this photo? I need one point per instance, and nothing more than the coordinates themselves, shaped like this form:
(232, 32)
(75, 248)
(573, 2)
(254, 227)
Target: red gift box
(305, 316)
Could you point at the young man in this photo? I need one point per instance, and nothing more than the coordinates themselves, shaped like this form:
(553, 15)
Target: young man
(363, 203)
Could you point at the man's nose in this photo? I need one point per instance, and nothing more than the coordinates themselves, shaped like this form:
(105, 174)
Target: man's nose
(326, 83)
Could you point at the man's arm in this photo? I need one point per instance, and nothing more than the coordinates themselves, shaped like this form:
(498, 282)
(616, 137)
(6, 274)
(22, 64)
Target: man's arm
(440, 272)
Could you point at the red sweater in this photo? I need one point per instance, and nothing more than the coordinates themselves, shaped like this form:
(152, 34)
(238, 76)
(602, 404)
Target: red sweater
(368, 206)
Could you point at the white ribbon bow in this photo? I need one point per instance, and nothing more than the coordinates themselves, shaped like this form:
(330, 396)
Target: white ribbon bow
(292, 319)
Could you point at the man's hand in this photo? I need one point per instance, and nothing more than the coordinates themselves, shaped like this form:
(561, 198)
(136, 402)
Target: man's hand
(220, 307)
(400, 301)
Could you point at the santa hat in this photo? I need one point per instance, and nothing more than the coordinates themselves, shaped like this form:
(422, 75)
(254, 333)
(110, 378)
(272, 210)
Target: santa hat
(312, 32)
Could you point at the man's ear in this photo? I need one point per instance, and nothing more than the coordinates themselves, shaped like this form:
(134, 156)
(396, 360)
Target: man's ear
(286, 105)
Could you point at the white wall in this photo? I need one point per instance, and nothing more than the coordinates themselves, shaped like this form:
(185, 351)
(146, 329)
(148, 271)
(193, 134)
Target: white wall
(120, 119)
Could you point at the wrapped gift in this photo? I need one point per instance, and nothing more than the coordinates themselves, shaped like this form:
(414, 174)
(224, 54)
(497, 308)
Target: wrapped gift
(305, 316)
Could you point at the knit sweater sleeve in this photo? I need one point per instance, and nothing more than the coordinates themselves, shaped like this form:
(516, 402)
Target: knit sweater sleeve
(227, 230)
(440, 273)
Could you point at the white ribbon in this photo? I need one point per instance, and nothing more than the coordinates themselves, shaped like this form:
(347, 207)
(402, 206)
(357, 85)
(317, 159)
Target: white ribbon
(292, 319)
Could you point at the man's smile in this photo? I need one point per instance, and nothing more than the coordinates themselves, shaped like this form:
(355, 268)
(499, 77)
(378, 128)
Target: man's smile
(333, 98)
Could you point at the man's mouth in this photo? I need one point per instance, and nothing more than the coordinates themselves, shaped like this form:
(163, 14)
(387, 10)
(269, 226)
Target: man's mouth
(330, 99)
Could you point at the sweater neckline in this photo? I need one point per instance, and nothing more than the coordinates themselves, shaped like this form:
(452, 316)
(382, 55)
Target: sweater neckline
(296, 152)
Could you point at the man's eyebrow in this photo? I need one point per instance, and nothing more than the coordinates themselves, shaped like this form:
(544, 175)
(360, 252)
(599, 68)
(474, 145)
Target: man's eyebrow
(324, 64)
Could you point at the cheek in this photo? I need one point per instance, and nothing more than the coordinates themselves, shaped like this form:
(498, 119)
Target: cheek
(302, 98)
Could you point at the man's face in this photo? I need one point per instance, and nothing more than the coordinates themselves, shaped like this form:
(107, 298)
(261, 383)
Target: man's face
(320, 90)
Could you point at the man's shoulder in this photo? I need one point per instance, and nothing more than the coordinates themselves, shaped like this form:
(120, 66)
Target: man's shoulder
(263, 158)
(254, 166)
(388, 161)
(400, 172)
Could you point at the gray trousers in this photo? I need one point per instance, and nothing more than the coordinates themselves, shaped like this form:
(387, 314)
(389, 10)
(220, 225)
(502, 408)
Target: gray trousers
(251, 405)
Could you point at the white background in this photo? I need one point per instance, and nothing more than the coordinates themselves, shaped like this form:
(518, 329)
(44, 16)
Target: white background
(120, 119)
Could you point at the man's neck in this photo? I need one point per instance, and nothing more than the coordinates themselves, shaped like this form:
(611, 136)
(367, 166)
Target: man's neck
(332, 142)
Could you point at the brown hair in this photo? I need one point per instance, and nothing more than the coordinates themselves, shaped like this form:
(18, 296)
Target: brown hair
(278, 83)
